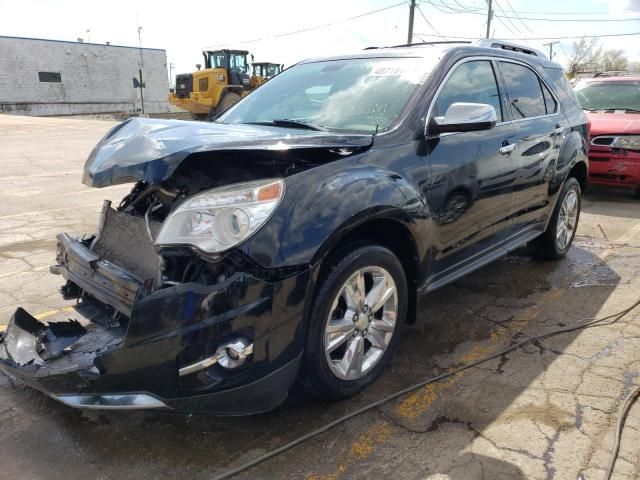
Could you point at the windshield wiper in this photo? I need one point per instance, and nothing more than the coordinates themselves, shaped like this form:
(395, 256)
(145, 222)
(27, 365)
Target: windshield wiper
(292, 123)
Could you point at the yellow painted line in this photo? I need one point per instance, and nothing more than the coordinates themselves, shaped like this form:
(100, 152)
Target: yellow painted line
(44, 315)
(51, 313)
(418, 403)
(360, 449)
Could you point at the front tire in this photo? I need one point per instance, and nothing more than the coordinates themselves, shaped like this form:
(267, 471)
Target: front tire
(556, 241)
(355, 323)
(228, 100)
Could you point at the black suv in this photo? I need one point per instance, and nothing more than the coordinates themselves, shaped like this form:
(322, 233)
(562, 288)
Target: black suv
(290, 237)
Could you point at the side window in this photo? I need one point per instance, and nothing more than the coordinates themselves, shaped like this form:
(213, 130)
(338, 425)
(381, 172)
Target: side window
(473, 82)
(549, 101)
(525, 94)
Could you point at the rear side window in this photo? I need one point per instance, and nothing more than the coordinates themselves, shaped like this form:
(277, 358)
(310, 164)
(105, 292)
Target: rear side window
(525, 93)
(472, 82)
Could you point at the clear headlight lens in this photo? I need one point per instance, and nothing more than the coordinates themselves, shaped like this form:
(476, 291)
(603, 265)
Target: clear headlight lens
(628, 142)
(219, 219)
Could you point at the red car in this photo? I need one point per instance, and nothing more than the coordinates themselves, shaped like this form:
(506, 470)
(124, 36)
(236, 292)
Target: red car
(612, 104)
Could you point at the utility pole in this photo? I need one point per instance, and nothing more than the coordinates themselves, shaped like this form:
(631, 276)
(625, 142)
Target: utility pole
(412, 9)
(171, 65)
(550, 45)
(489, 15)
(141, 80)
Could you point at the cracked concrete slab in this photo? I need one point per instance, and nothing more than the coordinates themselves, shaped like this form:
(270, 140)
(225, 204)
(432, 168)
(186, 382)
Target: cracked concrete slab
(546, 411)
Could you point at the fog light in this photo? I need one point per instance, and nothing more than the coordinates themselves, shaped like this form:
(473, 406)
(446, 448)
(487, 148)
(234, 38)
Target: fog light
(234, 354)
(230, 354)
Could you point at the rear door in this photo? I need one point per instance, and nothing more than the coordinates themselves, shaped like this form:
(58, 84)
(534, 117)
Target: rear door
(540, 129)
(473, 174)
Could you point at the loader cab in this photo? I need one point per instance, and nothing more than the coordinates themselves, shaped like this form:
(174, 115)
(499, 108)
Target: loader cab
(233, 61)
(263, 71)
(266, 69)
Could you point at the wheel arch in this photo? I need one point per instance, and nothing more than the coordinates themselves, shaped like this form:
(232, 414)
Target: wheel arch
(579, 172)
(388, 232)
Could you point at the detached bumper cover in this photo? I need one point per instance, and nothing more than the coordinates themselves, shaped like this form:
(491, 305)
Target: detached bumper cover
(93, 363)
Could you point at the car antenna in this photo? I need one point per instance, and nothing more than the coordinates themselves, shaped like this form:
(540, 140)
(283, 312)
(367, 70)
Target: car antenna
(377, 125)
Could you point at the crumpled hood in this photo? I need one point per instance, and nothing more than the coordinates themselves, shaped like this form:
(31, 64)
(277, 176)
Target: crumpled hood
(614, 123)
(151, 149)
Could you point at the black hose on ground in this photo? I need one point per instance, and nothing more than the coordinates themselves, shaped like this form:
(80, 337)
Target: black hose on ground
(586, 323)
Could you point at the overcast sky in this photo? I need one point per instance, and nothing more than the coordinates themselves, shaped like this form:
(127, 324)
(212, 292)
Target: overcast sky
(184, 28)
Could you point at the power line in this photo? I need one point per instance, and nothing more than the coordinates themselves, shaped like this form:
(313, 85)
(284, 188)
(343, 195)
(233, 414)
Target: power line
(508, 19)
(564, 51)
(466, 7)
(535, 12)
(314, 27)
(427, 21)
(452, 10)
(537, 38)
(574, 19)
(519, 19)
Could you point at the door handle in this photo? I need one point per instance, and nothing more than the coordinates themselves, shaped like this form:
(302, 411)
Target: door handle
(507, 148)
(558, 130)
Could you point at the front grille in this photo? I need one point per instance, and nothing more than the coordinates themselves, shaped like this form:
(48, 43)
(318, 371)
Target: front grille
(124, 241)
(184, 85)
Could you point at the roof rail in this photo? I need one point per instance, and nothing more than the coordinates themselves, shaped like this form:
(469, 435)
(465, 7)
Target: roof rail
(514, 47)
(420, 44)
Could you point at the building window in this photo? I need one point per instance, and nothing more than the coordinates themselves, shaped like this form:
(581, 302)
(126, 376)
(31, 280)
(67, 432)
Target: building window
(52, 77)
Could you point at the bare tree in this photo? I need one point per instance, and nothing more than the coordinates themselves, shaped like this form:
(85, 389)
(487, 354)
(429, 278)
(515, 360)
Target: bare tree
(586, 53)
(634, 66)
(613, 60)
(589, 56)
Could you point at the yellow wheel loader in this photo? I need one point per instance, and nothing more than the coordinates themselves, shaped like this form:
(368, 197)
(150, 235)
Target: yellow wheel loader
(212, 90)
(263, 71)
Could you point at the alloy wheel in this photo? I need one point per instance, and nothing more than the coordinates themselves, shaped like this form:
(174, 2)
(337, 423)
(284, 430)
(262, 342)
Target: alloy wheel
(567, 219)
(361, 322)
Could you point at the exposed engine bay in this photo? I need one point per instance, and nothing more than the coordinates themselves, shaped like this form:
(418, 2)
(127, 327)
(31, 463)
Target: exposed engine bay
(123, 251)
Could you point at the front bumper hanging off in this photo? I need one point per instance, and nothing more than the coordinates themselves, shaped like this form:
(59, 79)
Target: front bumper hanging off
(127, 348)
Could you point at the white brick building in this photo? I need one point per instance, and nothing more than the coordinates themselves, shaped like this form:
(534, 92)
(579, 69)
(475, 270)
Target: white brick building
(51, 77)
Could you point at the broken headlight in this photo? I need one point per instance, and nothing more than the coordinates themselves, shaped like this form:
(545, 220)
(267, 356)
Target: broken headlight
(219, 219)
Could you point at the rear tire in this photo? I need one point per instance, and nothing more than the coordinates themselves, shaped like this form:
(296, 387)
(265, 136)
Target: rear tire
(349, 342)
(556, 241)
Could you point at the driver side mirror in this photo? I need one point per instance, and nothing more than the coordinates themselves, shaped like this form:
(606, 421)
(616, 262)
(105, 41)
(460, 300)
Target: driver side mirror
(465, 117)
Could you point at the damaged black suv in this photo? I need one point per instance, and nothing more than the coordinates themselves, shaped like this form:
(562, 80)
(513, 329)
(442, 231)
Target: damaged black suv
(290, 237)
